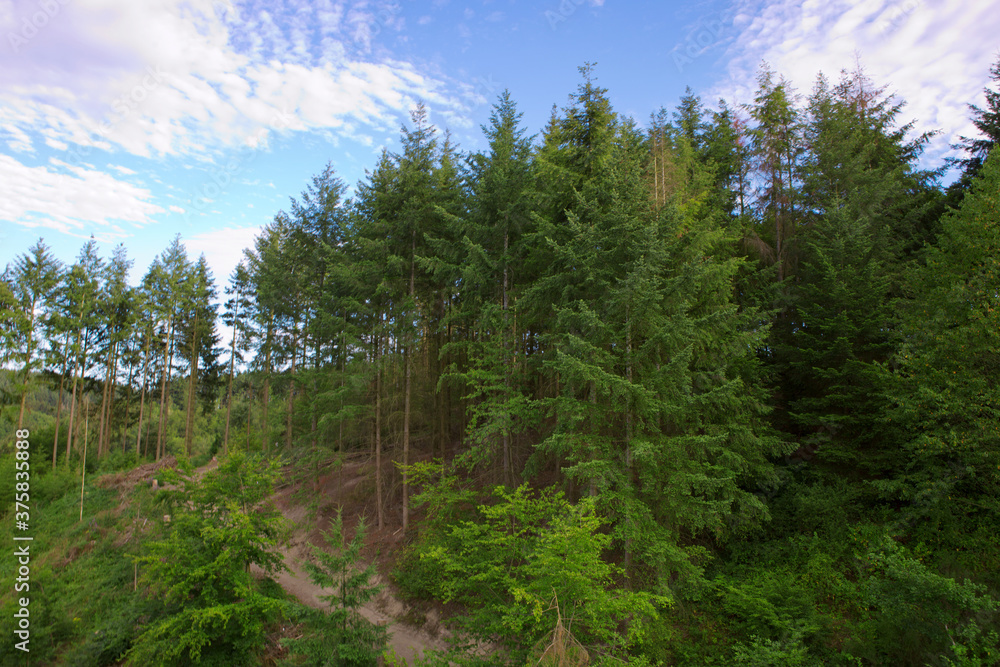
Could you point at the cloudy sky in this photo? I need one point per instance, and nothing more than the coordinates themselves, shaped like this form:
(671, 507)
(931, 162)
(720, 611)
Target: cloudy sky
(133, 121)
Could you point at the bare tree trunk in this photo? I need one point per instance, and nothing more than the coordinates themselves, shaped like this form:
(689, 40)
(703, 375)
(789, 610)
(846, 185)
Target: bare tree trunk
(291, 391)
(266, 398)
(72, 403)
(104, 405)
(229, 390)
(628, 431)
(128, 405)
(142, 396)
(407, 392)
(59, 402)
(27, 366)
(507, 473)
(249, 409)
(192, 383)
(111, 396)
(378, 430)
(168, 354)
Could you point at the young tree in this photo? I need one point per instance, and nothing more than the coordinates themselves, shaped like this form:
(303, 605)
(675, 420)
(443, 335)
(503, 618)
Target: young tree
(199, 567)
(340, 635)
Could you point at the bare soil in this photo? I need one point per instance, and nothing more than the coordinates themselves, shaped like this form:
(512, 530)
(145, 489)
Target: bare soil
(352, 490)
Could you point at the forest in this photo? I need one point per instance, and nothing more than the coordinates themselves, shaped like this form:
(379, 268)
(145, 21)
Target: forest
(710, 391)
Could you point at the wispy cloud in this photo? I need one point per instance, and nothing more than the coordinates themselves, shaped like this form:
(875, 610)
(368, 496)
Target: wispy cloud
(179, 81)
(176, 80)
(72, 199)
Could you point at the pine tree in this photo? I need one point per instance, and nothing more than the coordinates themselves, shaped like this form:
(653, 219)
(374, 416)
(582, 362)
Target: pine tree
(493, 253)
(81, 294)
(35, 277)
(196, 341)
(341, 635)
(776, 148)
(660, 411)
(118, 315)
(167, 283)
(987, 121)
(943, 390)
(235, 317)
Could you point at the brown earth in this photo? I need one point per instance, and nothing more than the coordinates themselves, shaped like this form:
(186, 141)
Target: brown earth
(351, 489)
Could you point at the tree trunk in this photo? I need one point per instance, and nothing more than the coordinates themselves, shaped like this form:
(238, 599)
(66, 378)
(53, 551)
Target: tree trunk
(168, 354)
(128, 405)
(229, 390)
(104, 404)
(408, 390)
(266, 398)
(72, 402)
(291, 391)
(111, 395)
(628, 433)
(192, 383)
(507, 475)
(142, 395)
(378, 430)
(59, 402)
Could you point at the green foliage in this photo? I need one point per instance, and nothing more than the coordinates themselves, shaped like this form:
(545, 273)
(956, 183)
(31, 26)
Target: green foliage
(199, 568)
(339, 636)
(529, 559)
(774, 653)
(912, 611)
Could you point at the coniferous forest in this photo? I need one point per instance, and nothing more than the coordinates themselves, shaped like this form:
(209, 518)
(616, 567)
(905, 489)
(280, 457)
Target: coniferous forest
(719, 389)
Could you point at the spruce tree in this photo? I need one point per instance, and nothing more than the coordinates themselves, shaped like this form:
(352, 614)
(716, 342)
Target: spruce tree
(942, 386)
(35, 277)
(492, 276)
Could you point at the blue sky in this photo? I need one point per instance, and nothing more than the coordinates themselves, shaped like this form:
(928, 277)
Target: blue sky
(133, 121)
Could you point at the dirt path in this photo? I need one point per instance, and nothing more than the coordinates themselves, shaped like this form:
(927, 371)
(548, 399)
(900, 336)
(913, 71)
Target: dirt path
(385, 609)
(405, 640)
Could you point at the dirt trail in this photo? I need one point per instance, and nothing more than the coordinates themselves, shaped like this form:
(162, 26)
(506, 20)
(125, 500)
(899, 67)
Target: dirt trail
(385, 609)
(405, 640)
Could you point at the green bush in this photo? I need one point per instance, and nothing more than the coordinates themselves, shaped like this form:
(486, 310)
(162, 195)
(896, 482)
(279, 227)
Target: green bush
(216, 614)
(913, 614)
(526, 561)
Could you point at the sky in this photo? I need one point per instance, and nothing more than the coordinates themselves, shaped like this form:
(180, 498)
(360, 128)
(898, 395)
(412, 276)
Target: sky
(133, 121)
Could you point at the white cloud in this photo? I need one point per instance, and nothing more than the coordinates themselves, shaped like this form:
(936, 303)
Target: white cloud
(932, 56)
(223, 249)
(83, 200)
(18, 140)
(176, 209)
(122, 170)
(170, 79)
